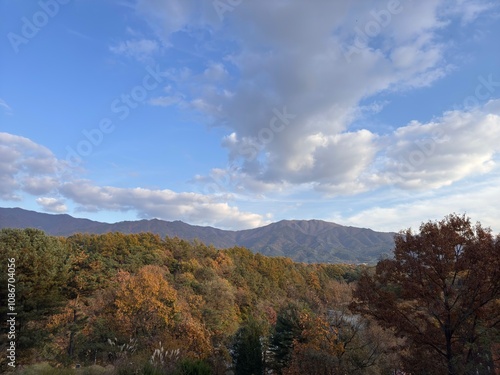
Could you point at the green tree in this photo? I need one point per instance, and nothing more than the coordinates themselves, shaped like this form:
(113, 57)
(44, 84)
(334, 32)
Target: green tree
(247, 349)
(220, 313)
(286, 331)
(441, 292)
(41, 269)
(193, 367)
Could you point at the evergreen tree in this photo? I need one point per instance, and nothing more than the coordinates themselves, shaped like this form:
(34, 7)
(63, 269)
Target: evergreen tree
(287, 329)
(247, 349)
(41, 269)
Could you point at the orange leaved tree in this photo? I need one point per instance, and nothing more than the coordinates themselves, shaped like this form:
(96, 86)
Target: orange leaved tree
(145, 303)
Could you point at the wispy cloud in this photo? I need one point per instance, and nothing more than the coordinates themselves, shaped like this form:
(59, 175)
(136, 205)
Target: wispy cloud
(479, 202)
(470, 10)
(5, 107)
(139, 49)
(166, 101)
(79, 34)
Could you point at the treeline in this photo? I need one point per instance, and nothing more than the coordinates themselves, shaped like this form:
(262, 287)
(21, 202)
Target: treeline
(147, 305)
(138, 300)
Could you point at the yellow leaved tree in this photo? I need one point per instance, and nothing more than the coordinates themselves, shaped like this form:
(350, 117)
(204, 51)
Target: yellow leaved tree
(145, 303)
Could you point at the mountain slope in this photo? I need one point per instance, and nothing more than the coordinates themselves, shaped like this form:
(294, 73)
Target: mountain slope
(301, 240)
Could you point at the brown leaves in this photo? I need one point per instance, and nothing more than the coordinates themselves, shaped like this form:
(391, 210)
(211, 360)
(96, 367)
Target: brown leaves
(317, 350)
(439, 283)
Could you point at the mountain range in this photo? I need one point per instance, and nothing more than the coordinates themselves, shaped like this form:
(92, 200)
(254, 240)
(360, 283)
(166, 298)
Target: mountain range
(311, 241)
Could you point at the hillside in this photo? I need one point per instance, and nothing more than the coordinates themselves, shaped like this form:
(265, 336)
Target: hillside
(310, 241)
(114, 299)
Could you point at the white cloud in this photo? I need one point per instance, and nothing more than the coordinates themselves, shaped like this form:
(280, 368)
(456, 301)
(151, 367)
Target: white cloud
(441, 152)
(417, 157)
(480, 202)
(166, 101)
(168, 17)
(140, 49)
(317, 70)
(322, 76)
(163, 204)
(52, 205)
(470, 10)
(215, 72)
(7, 109)
(305, 68)
(328, 161)
(38, 185)
(25, 166)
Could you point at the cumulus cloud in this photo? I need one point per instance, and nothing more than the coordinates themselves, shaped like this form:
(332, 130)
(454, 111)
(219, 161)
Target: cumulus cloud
(163, 204)
(289, 97)
(446, 150)
(25, 166)
(38, 185)
(52, 205)
(324, 70)
(457, 145)
(321, 69)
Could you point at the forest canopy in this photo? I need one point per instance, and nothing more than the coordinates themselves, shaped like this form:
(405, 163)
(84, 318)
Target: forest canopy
(139, 303)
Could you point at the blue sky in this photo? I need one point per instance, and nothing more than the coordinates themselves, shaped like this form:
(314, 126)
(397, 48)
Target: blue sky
(236, 113)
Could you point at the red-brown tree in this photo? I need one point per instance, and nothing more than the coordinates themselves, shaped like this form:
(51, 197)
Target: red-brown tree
(441, 291)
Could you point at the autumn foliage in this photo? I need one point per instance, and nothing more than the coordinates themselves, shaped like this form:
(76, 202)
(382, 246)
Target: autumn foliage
(145, 304)
(117, 299)
(441, 292)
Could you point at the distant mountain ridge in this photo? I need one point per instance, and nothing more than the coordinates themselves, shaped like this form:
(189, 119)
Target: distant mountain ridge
(310, 241)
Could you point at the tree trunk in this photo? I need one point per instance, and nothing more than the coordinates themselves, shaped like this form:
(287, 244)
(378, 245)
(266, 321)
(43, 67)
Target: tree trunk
(449, 352)
(71, 345)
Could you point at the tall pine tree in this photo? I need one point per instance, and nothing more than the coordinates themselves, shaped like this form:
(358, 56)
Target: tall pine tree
(248, 350)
